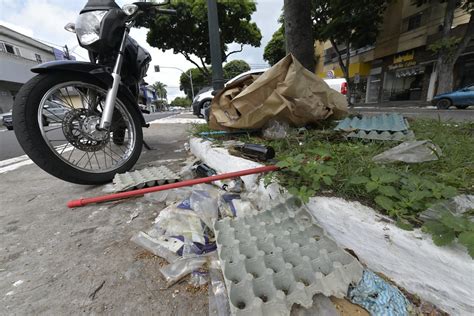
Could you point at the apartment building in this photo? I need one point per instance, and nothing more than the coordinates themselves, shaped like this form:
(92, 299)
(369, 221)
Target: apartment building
(18, 54)
(400, 67)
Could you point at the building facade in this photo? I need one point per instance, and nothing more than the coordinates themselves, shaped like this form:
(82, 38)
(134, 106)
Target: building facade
(18, 54)
(400, 66)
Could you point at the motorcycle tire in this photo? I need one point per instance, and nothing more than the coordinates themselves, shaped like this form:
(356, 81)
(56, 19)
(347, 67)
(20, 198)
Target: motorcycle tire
(29, 135)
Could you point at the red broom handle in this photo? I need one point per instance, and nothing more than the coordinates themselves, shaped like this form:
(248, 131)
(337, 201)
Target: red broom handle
(124, 195)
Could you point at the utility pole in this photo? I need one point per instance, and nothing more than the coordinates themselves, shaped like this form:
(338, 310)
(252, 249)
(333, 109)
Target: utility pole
(191, 80)
(215, 42)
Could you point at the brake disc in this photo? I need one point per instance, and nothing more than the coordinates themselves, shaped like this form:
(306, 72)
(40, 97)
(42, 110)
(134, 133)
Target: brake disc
(79, 130)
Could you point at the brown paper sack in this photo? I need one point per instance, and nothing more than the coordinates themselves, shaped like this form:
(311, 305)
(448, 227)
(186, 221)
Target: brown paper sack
(287, 92)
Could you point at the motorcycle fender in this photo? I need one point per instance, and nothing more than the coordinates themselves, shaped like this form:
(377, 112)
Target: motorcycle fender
(100, 72)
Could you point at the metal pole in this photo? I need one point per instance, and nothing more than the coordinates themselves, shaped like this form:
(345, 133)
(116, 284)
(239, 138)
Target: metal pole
(191, 79)
(215, 43)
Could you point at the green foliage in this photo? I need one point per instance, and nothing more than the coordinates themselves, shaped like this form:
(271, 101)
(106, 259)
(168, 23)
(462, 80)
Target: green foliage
(160, 89)
(235, 68)
(353, 22)
(200, 80)
(187, 32)
(322, 161)
(276, 47)
(449, 227)
(181, 102)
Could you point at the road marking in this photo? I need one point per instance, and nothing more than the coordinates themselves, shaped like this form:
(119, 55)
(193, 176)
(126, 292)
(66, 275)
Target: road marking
(21, 161)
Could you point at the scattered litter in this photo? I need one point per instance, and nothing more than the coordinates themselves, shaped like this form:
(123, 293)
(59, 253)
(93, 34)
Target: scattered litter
(275, 130)
(286, 90)
(383, 136)
(378, 297)
(154, 245)
(393, 122)
(94, 293)
(180, 268)
(18, 283)
(198, 278)
(280, 257)
(322, 305)
(225, 133)
(174, 221)
(218, 301)
(148, 177)
(457, 206)
(254, 151)
(202, 171)
(411, 152)
(169, 196)
(205, 206)
(134, 215)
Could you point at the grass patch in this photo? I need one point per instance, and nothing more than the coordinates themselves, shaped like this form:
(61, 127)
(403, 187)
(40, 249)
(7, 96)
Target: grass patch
(321, 161)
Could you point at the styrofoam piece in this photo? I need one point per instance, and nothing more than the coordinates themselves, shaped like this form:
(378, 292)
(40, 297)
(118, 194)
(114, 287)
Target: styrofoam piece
(441, 275)
(280, 257)
(148, 177)
(393, 122)
(410, 259)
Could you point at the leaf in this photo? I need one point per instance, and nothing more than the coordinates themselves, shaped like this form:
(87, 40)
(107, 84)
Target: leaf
(404, 224)
(449, 192)
(443, 239)
(359, 180)
(418, 195)
(388, 190)
(283, 164)
(327, 180)
(371, 186)
(467, 239)
(384, 202)
(456, 223)
(389, 178)
(441, 234)
(377, 173)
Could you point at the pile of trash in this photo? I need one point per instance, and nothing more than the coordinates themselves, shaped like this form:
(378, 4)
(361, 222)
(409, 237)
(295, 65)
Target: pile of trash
(272, 261)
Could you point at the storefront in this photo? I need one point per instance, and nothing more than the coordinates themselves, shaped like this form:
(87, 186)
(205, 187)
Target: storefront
(404, 78)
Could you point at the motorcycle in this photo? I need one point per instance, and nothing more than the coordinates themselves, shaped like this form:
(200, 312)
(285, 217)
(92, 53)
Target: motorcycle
(99, 132)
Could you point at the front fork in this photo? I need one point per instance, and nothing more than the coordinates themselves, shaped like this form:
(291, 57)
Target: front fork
(108, 111)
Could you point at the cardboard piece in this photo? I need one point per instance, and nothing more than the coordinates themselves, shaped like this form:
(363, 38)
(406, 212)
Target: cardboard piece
(286, 92)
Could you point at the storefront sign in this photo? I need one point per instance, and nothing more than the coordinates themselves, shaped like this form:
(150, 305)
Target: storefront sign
(404, 57)
(330, 74)
(402, 65)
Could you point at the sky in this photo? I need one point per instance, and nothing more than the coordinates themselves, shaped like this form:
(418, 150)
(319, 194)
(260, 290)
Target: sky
(45, 20)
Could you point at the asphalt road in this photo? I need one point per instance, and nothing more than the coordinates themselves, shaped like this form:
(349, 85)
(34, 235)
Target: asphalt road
(9, 147)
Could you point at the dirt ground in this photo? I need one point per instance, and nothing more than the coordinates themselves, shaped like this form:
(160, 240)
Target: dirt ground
(58, 261)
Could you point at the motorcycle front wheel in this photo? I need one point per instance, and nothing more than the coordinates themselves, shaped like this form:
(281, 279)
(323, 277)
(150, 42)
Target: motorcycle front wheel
(69, 146)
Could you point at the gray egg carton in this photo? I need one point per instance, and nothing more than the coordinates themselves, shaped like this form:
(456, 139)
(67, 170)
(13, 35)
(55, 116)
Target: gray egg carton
(148, 177)
(280, 257)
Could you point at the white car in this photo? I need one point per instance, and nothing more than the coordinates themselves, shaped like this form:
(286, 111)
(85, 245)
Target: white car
(202, 101)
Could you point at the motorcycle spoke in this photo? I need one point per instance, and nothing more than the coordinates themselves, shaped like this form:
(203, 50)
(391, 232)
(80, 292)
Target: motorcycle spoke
(97, 160)
(77, 164)
(89, 160)
(62, 151)
(53, 129)
(60, 120)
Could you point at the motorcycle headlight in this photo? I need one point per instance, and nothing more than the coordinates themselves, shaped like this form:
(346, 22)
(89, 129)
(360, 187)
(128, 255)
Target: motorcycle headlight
(88, 26)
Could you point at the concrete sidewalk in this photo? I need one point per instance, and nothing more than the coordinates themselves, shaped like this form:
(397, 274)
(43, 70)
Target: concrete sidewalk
(395, 104)
(58, 261)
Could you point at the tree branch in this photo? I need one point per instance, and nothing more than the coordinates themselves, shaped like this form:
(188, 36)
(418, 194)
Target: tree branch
(194, 63)
(234, 52)
(204, 66)
(339, 56)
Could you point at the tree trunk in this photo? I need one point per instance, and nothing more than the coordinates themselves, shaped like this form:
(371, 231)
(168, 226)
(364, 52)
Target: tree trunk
(445, 64)
(298, 32)
(344, 66)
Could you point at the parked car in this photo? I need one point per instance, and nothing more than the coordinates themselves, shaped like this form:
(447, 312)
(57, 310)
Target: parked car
(202, 101)
(54, 113)
(461, 98)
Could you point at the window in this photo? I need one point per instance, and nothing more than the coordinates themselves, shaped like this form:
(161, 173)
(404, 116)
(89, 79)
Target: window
(7, 48)
(414, 22)
(38, 58)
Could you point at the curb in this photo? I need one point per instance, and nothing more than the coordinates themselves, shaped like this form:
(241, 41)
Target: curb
(440, 275)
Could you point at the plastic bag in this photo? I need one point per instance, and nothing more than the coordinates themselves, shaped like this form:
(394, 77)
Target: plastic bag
(205, 206)
(322, 305)
(154, 246)
(170, 196)
(411, 152)
(174, 221)
(457, 206)
(218, 300)
(275, 130)
(198, 278)
(180, 268)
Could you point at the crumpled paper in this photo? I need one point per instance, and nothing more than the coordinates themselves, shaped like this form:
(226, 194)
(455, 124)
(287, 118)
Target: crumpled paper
(286, 92)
